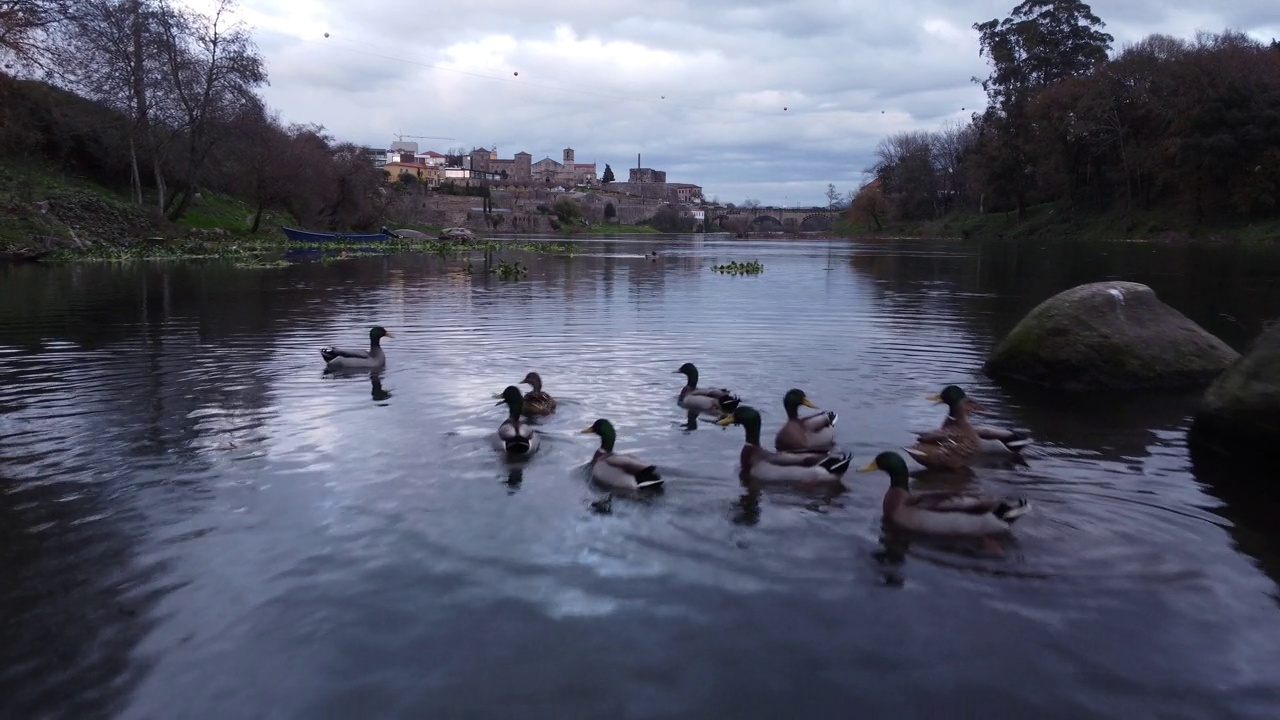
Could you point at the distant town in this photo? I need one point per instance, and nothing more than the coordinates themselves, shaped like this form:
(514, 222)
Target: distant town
(520, 171)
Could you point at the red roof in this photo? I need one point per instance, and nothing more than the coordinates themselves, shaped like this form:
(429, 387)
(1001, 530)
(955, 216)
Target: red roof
(584, 165)
(432, 153)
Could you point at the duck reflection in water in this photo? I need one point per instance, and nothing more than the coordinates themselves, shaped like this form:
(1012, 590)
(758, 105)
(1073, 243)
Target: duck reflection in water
(816, 497)
(377, 392)
(515, 476)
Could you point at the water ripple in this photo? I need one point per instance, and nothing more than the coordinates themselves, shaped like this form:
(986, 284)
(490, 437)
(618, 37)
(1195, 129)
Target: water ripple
(211, 525)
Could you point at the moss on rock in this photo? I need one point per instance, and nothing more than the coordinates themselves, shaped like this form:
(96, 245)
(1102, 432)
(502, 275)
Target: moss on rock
(1240, 412)
(1115, 335)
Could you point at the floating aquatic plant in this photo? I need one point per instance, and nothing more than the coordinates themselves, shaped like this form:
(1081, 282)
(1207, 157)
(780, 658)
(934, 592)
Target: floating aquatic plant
(262, 264)
(510, 270)
(734, 267)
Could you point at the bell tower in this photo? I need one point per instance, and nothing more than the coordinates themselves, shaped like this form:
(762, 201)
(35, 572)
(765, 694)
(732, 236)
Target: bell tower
(568, 156)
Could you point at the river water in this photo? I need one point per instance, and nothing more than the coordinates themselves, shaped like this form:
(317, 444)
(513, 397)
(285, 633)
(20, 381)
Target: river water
(196, 522)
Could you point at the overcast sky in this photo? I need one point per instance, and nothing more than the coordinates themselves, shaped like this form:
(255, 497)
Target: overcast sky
(765, 99)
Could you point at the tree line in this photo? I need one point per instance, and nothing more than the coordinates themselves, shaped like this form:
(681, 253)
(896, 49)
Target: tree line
(162, 100)
(1188, 128)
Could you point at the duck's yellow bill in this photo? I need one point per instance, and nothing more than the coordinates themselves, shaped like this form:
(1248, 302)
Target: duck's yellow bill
(726, 420)
(934, 398)
(387, 333)
(869, 467)
(584, 431)
(805, 402)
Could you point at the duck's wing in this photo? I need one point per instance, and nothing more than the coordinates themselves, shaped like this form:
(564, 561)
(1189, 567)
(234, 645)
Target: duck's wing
(509, 430)
(329, 353)
(1010, 438)
(945, 435)
(628, 463)
(953, 502)
(793, 459)
(720, 394)
(819, 422)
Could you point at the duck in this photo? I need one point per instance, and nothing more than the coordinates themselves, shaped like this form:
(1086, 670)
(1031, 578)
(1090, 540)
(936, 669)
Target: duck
(991, 440)
(950, 448)
(811, 434)
(760, 464)
(346, 359)
(942, 513)
(620, 472)
(712, 401)
(537, 402)
(514, 437)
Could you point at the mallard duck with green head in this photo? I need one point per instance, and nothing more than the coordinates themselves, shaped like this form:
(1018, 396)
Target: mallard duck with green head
(760, 464)
(815, 433)
(514, 437)
(710, 401)
(336, 358)
(991, 440)
(942, 513)
(620, 472)
(537, 402)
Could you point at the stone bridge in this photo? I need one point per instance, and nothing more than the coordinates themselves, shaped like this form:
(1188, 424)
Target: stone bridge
(766, 219)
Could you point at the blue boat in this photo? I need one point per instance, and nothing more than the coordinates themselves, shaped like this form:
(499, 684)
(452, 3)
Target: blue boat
(308, 236)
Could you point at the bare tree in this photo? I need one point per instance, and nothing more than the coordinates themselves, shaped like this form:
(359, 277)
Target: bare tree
(834, 198)
(110, 55)
(951, 146)
(905, 167)
(261, 167)
(25, 30)
(213, 68)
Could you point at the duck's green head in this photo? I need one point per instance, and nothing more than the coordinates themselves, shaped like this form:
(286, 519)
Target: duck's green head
(794, 398)
(689, 371)
(377, 332)
(891, 463)
(513, 399)
(951, 395)
(746, 416)
(604, 429)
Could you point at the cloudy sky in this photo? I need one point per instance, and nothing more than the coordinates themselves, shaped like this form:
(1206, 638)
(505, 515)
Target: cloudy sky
(768, 99)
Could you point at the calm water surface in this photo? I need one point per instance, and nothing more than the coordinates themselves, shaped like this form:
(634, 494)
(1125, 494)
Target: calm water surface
(196, 523)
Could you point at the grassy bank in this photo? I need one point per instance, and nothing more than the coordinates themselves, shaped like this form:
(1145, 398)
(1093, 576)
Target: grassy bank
(611, 229)
(1056, 221)
(49, 215)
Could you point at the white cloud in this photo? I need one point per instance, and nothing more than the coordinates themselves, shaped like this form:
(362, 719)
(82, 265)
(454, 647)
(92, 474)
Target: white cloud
(698, 87)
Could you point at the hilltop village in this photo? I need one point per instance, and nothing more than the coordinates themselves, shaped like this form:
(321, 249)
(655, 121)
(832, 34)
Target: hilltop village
(522, 189)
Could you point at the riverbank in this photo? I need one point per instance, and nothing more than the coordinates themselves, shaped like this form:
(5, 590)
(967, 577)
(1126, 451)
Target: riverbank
(1056, 221)
(54, 217)
(611, 229)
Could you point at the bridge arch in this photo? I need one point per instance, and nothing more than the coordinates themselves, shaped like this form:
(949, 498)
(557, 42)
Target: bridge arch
(766, 222)
(817, 222)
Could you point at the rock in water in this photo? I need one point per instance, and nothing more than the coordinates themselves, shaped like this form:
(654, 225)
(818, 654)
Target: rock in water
(457, 233)
(1109, 335)
(1240, 412)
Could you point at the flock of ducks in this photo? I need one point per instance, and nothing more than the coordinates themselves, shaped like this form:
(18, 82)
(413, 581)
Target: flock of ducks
(804, 447)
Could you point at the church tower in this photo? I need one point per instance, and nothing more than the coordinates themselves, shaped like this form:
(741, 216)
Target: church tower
(568, 156)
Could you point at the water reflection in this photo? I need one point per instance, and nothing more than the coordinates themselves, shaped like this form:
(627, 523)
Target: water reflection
(201, 523)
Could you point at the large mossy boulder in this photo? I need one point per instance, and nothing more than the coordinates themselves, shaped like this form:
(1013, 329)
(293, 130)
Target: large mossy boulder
(1109, 335)
(1241, 409)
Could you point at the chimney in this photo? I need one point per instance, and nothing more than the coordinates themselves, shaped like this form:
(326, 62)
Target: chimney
(637, 161)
